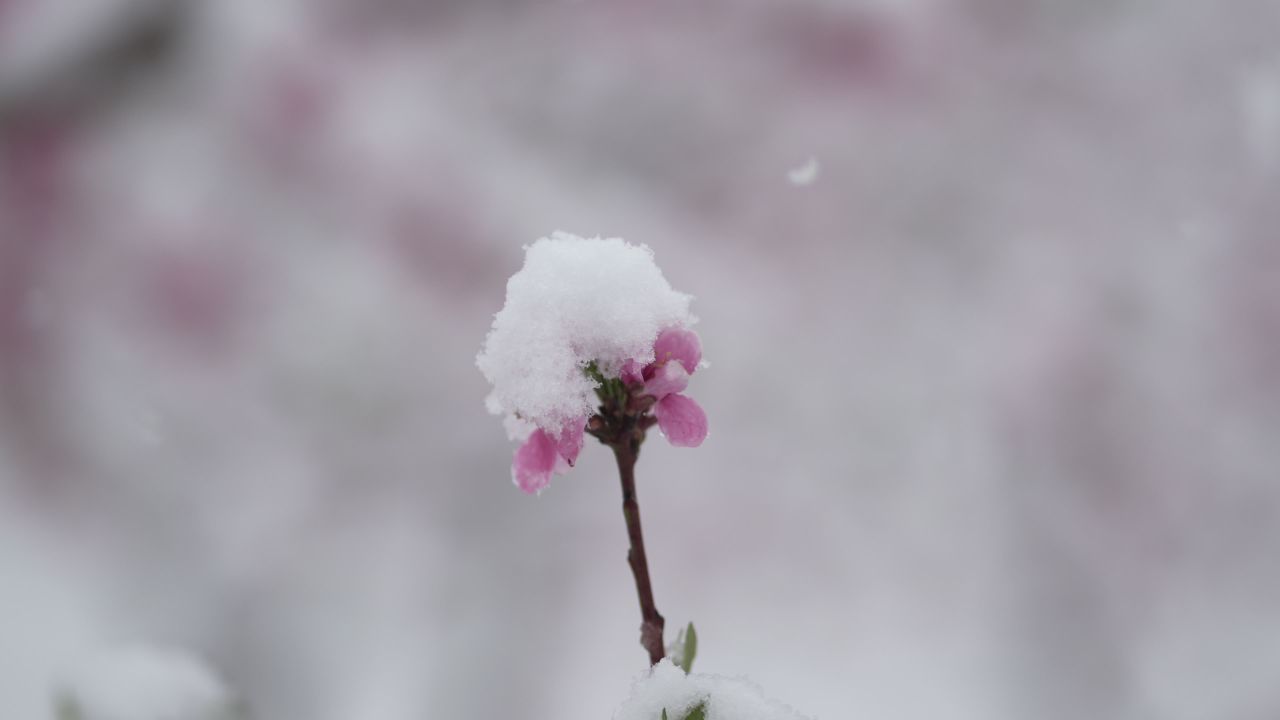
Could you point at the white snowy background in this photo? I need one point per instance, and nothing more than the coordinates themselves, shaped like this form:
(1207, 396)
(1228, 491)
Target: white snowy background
(994, 397)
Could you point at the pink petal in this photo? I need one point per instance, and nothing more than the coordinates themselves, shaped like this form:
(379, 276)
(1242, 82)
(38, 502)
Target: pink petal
(570, 442)
(534, 461)
(681, 420)
(667, 379)
(678, 344)
(630, 373)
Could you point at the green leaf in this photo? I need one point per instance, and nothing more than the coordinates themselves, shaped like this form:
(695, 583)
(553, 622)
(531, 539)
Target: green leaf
(699, 712)
(690, 649)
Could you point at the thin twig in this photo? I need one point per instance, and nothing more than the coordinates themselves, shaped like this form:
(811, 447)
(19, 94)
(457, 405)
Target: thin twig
(651, 626)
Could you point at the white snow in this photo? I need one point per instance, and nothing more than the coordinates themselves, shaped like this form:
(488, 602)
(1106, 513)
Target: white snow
(805, 174)
(575, 301)
(666, 687)
(146, 683)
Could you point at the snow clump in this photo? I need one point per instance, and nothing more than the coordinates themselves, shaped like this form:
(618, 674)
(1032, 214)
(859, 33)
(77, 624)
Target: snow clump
(575, 301)
(667, 687)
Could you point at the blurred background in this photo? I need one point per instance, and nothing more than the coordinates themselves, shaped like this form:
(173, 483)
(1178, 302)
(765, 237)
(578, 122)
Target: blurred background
(994, 398)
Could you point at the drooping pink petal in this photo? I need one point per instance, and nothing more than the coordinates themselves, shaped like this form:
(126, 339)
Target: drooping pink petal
(667, 379)
(534, 462)
(678, 344)
(681, 420)
(570, 442)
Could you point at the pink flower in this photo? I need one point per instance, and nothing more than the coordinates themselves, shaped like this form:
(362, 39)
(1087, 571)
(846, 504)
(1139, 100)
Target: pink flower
(543, 454)
(677, 353)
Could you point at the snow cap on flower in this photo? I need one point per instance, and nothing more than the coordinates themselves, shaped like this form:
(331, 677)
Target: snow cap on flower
(574, 302)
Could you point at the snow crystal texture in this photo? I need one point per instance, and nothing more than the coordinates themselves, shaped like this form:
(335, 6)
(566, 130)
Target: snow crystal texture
(575, 301)
(666, 687)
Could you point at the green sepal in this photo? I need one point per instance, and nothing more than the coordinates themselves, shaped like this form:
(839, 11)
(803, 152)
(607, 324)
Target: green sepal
(592, 371)
(688, 649)
(699, 712)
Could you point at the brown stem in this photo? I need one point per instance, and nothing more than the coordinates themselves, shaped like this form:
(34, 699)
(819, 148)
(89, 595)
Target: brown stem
(651, 625)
